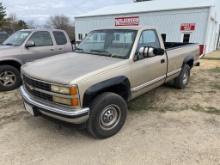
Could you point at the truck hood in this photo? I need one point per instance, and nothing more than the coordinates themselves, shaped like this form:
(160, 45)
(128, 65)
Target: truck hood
(66, 68)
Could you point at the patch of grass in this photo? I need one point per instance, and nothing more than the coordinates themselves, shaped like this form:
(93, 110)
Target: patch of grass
(211, 110)
(198, 107)
(142, 103)
(211, 58)
(216, 86)
(215, 70)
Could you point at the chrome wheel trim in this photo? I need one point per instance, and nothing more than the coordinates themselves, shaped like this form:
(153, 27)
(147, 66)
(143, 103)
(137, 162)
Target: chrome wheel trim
(7, 78)
(185, 77)
(110, 117)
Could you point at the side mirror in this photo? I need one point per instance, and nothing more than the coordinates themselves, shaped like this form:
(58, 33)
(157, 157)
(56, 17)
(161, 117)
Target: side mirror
(143, 51)
(29, 44)
(158, 51)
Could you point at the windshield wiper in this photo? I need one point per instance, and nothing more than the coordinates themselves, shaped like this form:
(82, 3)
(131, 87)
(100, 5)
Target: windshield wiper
(101, 52)
(116, 56)
(78, 48)
(9, 44)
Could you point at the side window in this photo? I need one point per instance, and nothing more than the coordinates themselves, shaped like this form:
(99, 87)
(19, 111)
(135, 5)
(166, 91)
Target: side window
(60, 38)
(42, 38)
(149, 38)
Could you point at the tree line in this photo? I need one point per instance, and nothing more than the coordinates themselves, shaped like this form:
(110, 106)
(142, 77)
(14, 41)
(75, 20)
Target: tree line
(10, 23)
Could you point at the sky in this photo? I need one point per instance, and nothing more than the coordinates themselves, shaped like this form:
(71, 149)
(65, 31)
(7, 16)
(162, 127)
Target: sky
(41, 10)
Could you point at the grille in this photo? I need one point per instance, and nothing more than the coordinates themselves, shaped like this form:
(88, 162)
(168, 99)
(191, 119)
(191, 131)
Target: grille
(36, 84)
(30, 84)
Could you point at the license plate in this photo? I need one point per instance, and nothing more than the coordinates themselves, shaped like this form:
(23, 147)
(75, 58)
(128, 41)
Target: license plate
(29, 108)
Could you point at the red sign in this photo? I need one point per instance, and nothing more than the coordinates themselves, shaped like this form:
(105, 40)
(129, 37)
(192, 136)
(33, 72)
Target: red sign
(188, 27)
(127, 21)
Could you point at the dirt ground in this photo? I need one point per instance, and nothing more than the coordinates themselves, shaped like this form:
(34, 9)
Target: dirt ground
(166, 126)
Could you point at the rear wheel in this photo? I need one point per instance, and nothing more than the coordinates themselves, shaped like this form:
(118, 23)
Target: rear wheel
(108, 115)
(183, 79)
(9, 78)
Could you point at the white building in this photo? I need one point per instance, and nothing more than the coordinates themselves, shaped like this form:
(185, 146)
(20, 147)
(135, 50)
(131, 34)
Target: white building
(178, 21)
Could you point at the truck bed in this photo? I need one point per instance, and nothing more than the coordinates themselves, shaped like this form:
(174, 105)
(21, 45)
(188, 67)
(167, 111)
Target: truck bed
(175, 45)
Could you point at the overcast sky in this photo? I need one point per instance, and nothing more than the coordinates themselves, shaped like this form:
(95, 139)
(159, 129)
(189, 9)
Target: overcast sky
(40, 10)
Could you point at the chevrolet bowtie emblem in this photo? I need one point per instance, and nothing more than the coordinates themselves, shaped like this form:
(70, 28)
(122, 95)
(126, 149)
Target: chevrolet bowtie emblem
(30, 87)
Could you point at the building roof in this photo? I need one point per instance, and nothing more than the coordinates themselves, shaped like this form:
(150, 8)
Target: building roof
(149, 6)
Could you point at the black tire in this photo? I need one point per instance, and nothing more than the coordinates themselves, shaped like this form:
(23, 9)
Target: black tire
(13, 74)
(99, 115)
(183, 79)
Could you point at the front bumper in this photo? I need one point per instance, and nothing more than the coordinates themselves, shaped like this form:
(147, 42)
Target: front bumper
(75, 116)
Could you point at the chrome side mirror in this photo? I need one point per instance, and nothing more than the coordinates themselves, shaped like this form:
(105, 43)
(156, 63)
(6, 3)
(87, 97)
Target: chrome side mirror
(151, 52)
(143, 51)
(29, 44)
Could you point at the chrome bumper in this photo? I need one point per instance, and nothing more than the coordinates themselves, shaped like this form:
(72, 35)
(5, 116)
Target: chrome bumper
(75, 116)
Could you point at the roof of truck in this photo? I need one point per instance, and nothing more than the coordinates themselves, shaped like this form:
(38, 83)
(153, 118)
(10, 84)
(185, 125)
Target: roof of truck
(41, 29)
(149, 6)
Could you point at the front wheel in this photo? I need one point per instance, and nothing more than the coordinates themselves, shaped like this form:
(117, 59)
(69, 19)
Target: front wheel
(9, 78)
(108, 115)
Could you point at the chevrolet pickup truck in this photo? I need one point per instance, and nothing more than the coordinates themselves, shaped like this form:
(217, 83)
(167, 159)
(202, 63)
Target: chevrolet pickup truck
(109, 68)
(25, 46)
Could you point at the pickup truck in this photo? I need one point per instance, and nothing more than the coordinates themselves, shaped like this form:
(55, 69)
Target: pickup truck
(26, 46)
(109, 68)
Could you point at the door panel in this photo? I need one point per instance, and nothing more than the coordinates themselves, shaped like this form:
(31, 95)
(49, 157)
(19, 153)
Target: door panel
(44, 46)
(147, 71)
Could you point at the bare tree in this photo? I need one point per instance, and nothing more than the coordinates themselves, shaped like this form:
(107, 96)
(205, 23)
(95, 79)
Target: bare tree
(64, 23)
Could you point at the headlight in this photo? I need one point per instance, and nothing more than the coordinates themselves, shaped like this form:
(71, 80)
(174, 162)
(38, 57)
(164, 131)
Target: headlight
(72, 91)
(62, 100)
(59, 89)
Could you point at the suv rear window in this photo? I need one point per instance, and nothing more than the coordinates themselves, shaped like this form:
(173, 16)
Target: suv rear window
(60, 38)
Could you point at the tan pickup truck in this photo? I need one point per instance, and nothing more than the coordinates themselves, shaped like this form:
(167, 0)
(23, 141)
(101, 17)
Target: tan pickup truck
(109, 68)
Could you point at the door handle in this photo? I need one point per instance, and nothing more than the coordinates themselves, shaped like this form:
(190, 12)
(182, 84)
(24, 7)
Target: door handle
(51, 49)
(60, 48)
(162, 61)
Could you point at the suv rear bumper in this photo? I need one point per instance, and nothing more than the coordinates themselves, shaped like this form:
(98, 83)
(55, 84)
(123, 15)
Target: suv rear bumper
(75, 116)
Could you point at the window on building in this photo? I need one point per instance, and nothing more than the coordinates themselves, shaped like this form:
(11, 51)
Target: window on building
(60, 38)
(80, 36)
(186, 38)
(164, 37)
(117, 37)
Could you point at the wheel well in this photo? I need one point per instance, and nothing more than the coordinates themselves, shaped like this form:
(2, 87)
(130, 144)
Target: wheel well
(120, 89)
(15, 64)
(189, 62)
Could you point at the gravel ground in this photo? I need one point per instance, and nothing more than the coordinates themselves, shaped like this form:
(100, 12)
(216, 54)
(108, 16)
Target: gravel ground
(165, 126)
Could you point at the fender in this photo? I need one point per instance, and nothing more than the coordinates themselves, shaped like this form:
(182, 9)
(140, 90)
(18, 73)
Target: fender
(189, 60)
(11, 60)
(119, 85)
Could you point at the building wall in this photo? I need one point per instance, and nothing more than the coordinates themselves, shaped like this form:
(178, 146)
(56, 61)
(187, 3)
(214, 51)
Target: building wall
(168, 22)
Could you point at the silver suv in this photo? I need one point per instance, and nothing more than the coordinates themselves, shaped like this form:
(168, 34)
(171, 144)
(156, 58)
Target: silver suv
(26, 46)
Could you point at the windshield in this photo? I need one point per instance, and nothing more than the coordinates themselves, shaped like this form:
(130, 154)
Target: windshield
(17, 38)
(113, 43)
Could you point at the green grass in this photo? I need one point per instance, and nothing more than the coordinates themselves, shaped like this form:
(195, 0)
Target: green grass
(216, 86)
(215, 70)
(211, 58)
(211, 110)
